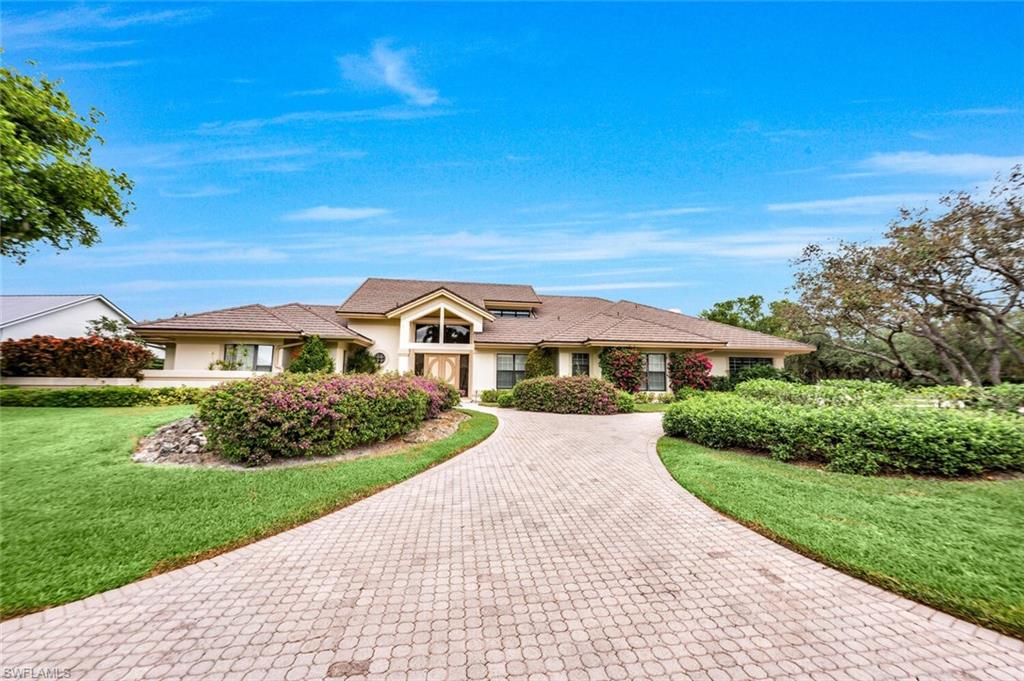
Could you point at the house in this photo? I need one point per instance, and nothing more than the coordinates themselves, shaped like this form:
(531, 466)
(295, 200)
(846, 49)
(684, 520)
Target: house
(474, 335)
(60, 316)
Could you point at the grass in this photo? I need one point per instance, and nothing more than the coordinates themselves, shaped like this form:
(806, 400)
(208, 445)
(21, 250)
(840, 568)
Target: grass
(954, 545)
(79, 517)
(652, 406)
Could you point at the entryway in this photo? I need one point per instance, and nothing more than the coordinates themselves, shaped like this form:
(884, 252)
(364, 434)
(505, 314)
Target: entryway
(450, 368)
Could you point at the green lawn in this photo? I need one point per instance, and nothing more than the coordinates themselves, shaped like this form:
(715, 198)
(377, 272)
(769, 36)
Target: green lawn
(955, 545)
(653, 406)
(80, 517)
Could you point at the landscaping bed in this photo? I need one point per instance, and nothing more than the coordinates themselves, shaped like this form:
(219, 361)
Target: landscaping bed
(954, 545)
(80, 517)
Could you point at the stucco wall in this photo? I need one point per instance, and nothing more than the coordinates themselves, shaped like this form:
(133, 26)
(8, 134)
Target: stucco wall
(565, 361)
(194, 353)
(482, 371)
(67, 323)
(385, 339)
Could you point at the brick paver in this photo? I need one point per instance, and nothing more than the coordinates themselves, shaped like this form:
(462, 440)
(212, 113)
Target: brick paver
(557, 549)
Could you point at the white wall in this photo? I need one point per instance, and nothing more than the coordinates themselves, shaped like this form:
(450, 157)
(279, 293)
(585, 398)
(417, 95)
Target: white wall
(482, 371)
(195, 353)
(69, 322)
(384, 333)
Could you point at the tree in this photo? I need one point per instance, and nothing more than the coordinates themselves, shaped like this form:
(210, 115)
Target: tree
(540, 362)
(953, 283)
(746, 312)
(312, 359)
(106, 327)
(362, 362)
(50, 190)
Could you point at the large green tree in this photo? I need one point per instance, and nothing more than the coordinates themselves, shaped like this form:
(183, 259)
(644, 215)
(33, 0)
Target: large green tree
(747, 312)
(50, 190)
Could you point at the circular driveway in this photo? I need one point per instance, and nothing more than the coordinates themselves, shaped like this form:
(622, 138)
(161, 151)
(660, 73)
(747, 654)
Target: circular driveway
(559, 548)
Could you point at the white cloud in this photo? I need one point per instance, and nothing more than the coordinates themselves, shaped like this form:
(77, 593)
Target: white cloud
(865, 205)
(388, 68)
(44, 29)
(666, 212)
(277, 282)
(203, 192)
(388, 113)
(614, 286)
(172, 252)
(334, 214)
(100, 65)
(985, 111)
(925, 163)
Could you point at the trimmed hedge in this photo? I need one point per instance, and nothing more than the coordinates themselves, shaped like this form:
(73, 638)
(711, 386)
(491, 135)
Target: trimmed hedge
(301, 415)
(859, 439)
(90, 356)
(441, 396)
(492, 395)
(506, 400)
(566, 395)
(106, 396)
(826, 393)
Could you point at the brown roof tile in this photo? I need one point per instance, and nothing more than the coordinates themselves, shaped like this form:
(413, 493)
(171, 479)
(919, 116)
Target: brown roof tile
(293, 318)
(378, 296)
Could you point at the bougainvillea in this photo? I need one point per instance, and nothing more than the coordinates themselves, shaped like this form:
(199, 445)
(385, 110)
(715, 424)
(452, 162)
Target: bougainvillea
(441, 395)
(91, 356)
(624, 367)
(689, 370)
(566, 395)
(292, 415)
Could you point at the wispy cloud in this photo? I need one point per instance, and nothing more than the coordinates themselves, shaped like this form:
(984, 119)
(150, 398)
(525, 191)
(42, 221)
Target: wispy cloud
(666, 212)
(615, 286)
(314, 92)
(985, 111)
(389, 113)
(254, 157)
(925, 163)
(388, 68)
(333, 214)
(173, 252)
(755, 127)
(865, 205)
(100, 65)
(206, 191)
(149, 285)
(50, 28)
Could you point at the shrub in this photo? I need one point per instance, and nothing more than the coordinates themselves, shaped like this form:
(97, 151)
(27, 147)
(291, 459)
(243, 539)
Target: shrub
(106, 396)
(292, 415)
(506, 399)
(826, 393)
(492, 395)
(859, 439)
(541, 362)
(624, 367)
(721, 384)
(312, 359)
(1007, 396)
(625, 402)
(566, 395)
(1004, 397)
(92, 356)
(689, 370)
(362, 362)
(756, 371)
(441, 395)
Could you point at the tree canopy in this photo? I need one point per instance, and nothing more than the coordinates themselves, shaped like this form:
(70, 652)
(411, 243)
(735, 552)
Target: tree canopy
(746, 312)
(50, 190)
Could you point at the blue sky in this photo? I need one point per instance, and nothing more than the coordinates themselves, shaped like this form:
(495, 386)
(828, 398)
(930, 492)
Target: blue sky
(671, 154)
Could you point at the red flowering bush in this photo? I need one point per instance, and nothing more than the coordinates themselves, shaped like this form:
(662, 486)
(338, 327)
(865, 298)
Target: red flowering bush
(91, 356)
(441, 395)
(566, 395)
(689, 370)
(292, 415)
(624, 367)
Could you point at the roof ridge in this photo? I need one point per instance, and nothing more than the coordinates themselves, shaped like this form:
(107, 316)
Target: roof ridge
(197, 314)
(48, 295)
(273, 314)
(661, 309)
(585, 318)
(445, 281)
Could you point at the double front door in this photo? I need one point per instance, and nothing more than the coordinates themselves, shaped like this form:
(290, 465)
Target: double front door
(453, 369)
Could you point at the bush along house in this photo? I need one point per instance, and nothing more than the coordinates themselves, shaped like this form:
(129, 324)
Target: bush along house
(475, 336)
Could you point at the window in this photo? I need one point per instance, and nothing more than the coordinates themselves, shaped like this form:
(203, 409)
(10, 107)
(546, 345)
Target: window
(456, 333)
(737, 364)
(417, 366)
(510, 313)
(654, 373)
(428, 333)
(380, 358)
(464, 374)
(580, 364)
(249, 357)
(511, 370)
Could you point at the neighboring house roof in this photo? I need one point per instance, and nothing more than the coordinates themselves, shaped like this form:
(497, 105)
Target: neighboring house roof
(380, 296)
(292, 318)
(14, 309)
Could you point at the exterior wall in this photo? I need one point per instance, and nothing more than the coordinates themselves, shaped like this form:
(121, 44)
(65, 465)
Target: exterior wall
(565, 361)
(384, 333)
(483, 371)
(69, 322)
(195, 353)
(720, 359)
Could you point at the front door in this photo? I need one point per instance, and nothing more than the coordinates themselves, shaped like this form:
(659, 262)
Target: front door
(443, 367)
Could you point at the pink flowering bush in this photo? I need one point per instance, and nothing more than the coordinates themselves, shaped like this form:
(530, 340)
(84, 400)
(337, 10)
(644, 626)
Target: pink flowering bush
(624, 367)
(299, 415)
(689, 370)
(441, 395)
(567, 395)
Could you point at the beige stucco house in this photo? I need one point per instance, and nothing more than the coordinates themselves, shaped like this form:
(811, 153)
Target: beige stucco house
(474, 335)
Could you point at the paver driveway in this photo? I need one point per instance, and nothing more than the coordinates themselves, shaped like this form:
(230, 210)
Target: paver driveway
(559, 548)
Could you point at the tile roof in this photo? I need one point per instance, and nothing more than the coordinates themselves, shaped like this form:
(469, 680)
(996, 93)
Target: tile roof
(292, 318)
(378, 296)
(555, 319)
